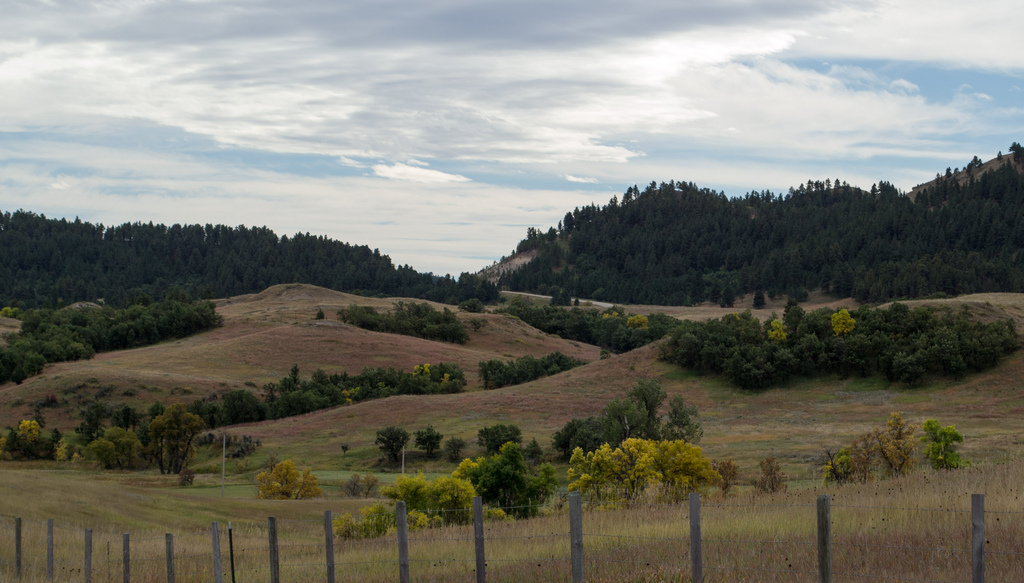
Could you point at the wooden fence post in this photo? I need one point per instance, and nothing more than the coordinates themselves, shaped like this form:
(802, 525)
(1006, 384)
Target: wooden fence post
(977, 538)
(696, 556)
(17, 547)
(218, 571)
(231, 552)
(825, 538)
(403, 542)
(478, 535)
(87, 568)
(49, 549)
(275, 568)
(576, 536)
(126, 558)
(329, 540)
(169, 548)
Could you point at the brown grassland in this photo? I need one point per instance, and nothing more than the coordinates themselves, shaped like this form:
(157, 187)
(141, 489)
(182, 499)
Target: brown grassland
(264, 334)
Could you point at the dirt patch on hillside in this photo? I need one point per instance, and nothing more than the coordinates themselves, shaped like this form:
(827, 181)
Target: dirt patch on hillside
(508, 264)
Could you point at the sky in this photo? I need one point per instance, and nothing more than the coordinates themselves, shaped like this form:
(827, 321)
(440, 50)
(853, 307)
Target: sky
(438, 130)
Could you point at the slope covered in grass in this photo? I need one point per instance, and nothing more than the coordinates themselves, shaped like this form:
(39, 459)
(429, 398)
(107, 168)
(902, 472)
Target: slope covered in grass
(262, 337)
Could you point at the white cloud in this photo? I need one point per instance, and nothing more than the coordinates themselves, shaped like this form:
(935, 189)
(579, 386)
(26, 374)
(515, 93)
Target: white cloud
(135, 101)
(431, 226)
(904, 86)
(572, 178)
(416, 174)
(947, 32)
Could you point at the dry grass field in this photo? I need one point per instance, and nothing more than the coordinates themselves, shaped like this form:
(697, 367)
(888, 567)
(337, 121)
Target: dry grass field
(264, 334)
(911, 528)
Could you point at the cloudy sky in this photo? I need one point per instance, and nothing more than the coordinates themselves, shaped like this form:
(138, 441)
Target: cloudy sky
(438, 130)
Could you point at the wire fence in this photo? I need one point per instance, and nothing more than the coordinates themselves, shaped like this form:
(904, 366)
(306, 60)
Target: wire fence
(575, 542)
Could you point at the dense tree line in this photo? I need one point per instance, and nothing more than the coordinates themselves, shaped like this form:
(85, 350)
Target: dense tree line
(48, 335)
(611, 329)
(496, 373)
(419, 320)
(54, 262)
(901, 343)
(678, 244)
(294, 396)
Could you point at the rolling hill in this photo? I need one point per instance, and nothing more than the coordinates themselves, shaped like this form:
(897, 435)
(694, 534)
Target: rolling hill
(265, 333)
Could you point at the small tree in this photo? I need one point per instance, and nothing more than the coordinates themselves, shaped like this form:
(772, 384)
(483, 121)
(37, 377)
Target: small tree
(453, 447)
(118, 448)
(361, 486)
(285, 482)
(895, 445)
(729, 472)
(493, 437)
(777, 332)
(392, 440)
(838, 467)
(843, 323)
(428, 440)
(758, 299)
(683, 422)
(533, 451)
(472, 305)
(637, 321)
(126, 417)
(863, 453)
(941, 446)
(92, 421)
(772, 479)
(505, 480)
(648, 396)
(171, 436)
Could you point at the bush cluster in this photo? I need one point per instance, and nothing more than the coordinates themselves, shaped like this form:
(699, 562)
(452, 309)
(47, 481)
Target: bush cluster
(903, 344)
(635, 416)
(496, 373)
(294, 396)
(610, 476)
(608, 329)
(419, 320)
(78, 333)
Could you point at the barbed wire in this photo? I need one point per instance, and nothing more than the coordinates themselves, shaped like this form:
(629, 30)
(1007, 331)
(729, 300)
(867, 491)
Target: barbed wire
(542, 559)
(626, 562)
(904, 508)
(757, 570)
(1009, 553)
(756, 541)
(630, 536)
(443, 539)
(912, 547)
(892, 578)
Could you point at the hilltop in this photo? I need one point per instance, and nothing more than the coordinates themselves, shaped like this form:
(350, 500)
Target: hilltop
(56, 262)
(676, 243)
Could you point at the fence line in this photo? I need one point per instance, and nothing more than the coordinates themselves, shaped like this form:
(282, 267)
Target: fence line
(30, 551)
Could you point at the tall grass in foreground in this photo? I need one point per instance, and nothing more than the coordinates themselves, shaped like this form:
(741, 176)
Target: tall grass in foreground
(912, 528)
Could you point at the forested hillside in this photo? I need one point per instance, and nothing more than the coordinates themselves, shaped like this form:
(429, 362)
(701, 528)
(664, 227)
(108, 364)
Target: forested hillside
(54, 262)
(678, 244)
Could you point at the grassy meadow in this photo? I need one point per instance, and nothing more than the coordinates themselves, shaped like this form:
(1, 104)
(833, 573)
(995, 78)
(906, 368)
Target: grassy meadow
(916, 527)
(899, 524)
